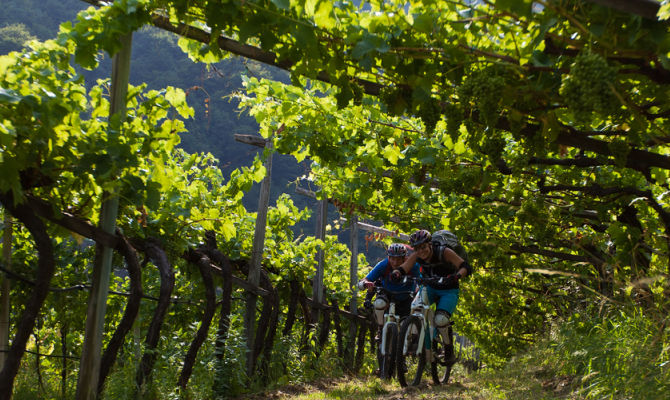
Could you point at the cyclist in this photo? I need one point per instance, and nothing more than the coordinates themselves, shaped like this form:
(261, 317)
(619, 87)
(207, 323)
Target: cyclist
(389, 272)
(438, 261)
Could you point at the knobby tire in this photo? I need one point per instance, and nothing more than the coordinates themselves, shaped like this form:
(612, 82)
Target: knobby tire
(440, 367)
(387, 367)
(410, 365)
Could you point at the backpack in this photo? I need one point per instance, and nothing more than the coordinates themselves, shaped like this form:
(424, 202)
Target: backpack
(449, 239)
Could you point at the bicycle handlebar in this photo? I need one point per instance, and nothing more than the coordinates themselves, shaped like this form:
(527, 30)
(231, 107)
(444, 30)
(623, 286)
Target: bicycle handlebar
(378, 287)
(392, 292)
(427, 281)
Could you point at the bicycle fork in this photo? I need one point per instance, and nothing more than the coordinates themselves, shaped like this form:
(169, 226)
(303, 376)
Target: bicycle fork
(389, 320)
(421, 310)
(431, 332)
(423, 342)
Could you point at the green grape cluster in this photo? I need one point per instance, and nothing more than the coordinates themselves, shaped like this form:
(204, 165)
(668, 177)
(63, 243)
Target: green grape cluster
(528, 213)
(397, 182)
(447, 185)
(387, 96)
(493, 145)
(396, 99)
(483, 90)
(357, 93)
(470, 179)
(472, 128)
(454, 116)
(588, 87)
(430, 113)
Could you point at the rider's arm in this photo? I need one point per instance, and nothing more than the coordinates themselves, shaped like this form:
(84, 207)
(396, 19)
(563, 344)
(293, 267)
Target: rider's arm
(409, 262)
(376, 272)
(365, 283)
(464, 268)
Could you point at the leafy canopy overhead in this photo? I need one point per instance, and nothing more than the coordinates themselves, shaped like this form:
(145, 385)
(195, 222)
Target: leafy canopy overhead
(538, 131)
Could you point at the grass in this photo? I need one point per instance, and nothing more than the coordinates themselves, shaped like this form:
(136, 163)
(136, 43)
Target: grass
(515, 382)
(619, 355)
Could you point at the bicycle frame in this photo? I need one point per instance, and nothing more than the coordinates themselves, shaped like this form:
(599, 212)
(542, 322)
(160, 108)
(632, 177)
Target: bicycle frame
(420, 343)
(390, 317)
(421, 309)
(387, 319)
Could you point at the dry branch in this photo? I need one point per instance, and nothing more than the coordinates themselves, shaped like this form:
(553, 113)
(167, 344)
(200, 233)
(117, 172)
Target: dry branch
(129, 314)
(203, 264)
(45, 269)
(160, 260)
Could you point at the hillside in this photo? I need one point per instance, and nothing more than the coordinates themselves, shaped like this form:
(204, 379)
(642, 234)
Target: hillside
(159, 62)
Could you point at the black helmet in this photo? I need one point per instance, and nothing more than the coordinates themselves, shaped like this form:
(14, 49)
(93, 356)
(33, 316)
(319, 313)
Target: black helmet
(396, 250)
(420, 237)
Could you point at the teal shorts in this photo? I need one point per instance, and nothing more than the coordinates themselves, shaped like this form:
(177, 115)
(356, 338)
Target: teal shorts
(446, 299)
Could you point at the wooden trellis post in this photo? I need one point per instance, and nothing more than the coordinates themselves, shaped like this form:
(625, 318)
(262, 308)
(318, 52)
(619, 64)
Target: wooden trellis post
(89, 366)
(4, 289)
(256, 258)
(317, 282)
(353, 265)
(320, 233)
(353, 283)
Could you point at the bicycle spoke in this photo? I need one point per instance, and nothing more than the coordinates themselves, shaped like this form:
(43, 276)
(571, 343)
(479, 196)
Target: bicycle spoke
(388, 360)
(411, 355)
(440, 368)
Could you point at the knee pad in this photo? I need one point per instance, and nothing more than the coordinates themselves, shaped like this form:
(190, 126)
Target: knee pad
(381, 303)
(441, 319)
(380, 308)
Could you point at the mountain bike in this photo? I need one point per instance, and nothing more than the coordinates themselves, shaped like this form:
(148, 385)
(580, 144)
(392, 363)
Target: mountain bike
(418, 343)
(385, 315)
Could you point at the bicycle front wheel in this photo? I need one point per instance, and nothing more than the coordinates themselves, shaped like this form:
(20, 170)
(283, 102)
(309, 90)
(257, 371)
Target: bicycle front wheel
(411, 356)
(440, 367)
(389, 359)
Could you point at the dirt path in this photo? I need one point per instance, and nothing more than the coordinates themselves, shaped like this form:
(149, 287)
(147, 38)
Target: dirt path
(373, 388)
(517, 385)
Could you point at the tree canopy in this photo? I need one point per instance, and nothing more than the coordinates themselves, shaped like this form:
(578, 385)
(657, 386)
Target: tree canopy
(538, 131)
(535, 130)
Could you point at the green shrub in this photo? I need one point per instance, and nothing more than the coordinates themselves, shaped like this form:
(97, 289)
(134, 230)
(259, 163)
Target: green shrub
(621, 354)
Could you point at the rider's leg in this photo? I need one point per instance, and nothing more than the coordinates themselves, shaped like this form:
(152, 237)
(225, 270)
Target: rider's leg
(442, 323)
(368, 297)
(368, 309)
(380, 306)
(447, 300)
(446, 305)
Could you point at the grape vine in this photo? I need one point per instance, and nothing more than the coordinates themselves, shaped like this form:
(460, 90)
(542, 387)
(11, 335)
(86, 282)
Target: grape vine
(590, 85)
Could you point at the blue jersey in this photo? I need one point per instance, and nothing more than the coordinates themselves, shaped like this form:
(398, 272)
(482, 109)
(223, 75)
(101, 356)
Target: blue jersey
(379, 271)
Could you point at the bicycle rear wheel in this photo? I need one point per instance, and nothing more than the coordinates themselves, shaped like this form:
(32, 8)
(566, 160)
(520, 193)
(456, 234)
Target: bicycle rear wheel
(411, 356)
(389, 358)
(443, 360)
